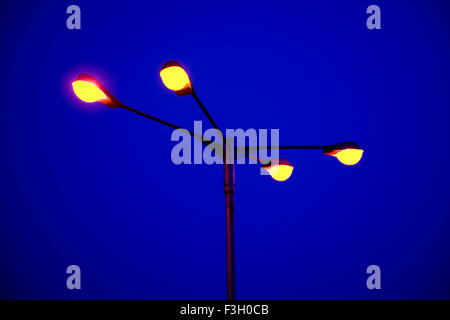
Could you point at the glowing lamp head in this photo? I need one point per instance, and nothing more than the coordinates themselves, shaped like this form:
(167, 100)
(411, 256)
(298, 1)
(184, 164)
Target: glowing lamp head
(348, 153)
(175, 78)
(280, 171)
(89, 90)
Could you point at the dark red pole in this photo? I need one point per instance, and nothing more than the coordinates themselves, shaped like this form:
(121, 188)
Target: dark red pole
(229, 225)
(229, 204)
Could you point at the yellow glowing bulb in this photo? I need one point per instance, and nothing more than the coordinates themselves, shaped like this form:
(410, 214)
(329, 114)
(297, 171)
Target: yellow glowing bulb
(175, 78)
(87, 91)
(349, 156)
(280, 172)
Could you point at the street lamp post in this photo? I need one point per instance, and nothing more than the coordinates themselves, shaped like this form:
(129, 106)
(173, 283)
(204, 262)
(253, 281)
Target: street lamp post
(229, 225)
(176, 79)
(90, 90)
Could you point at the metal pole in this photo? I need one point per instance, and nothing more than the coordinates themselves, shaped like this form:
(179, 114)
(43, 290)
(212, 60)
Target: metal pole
(229, 224)
(229, 204)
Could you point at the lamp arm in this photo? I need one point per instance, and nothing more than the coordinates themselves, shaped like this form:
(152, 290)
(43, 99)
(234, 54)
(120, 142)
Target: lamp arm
(248, 149)
(211, 120)
(282, 148)
(213, 123)
(301, 147)
(168, 124)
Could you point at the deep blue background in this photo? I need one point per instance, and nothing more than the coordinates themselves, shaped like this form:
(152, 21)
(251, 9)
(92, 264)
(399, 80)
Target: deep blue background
(87, 185)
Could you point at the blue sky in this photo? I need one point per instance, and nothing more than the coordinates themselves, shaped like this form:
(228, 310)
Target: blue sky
(88, 185)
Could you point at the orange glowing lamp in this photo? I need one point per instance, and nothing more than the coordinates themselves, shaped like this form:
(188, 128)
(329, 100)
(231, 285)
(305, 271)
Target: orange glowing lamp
(348, 153)
(89, 89)
(176, 79)
(280, 171)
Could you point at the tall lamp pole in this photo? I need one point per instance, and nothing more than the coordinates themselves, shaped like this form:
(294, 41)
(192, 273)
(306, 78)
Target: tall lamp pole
(89, 89)
(176, 79)
(229, 185)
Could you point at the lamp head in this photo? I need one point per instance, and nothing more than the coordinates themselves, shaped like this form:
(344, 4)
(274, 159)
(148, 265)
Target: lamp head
(175, 78)
(280, 171)
(348, 153)
(89, 89)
